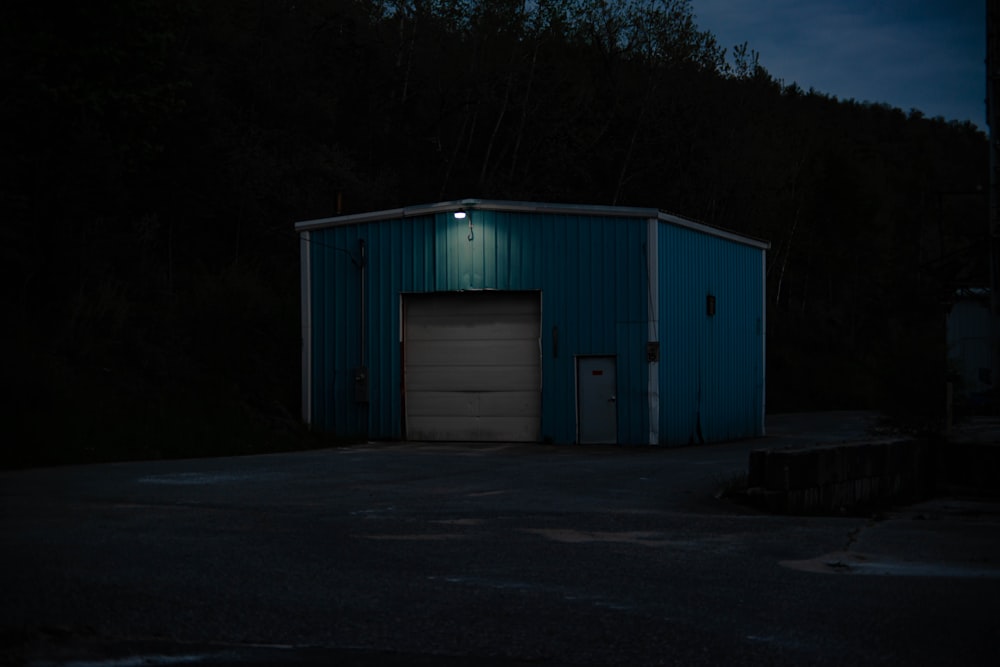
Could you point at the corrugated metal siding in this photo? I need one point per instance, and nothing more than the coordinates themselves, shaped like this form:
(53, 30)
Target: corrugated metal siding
(336, 329)
(711, 368)
(969, 327)
(590, 270)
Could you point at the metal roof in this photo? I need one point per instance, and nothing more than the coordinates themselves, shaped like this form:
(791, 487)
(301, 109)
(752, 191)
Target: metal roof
(530, 207)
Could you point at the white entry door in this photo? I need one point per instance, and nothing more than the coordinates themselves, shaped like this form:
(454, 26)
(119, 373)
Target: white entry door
(472, 366)
(597, 400)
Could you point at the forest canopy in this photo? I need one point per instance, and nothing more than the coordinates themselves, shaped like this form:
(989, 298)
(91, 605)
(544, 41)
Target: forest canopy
(158, 152)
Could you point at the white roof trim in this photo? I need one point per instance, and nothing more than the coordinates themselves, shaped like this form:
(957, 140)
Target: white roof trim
(529, 207)
(714, 231)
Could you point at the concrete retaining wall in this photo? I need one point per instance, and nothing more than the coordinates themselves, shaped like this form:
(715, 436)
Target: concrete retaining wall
(842, 477)
(970, 468)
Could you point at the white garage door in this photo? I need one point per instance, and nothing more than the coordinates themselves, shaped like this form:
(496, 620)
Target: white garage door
(472, 366)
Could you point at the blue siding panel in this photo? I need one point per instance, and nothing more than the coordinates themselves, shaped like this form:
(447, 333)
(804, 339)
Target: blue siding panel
(336, 333)
(516, 252)
(593, 277)
(712, 368)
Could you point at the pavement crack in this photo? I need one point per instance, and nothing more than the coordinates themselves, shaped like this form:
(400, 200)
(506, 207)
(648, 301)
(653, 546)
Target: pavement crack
(854, 535)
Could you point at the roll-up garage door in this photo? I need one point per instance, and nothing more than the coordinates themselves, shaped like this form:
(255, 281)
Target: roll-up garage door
(472, 366)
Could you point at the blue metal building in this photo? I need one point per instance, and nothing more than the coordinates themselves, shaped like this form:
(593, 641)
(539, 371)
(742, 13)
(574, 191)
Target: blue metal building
(493, 320)
(971, 327)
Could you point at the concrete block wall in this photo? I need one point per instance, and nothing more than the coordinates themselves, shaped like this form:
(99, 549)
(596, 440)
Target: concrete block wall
(970, 467)
(840, 478)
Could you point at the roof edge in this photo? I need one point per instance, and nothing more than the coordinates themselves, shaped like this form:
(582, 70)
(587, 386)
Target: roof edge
(721, 232)
(529, 207)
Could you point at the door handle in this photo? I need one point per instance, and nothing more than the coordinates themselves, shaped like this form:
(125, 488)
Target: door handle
(612, 399)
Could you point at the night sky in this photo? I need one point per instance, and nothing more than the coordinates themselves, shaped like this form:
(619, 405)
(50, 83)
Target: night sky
(912, 54)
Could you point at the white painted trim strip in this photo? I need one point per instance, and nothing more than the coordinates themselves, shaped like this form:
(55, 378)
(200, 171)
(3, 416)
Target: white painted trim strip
(306, 292)
(653, 326)
(714, 231)
(530, 207)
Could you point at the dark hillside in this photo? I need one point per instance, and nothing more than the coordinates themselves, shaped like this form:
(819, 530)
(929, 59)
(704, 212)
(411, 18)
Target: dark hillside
(157, 153)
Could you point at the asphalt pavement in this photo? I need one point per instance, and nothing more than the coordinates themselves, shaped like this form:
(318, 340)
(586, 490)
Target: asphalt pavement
(421, 554)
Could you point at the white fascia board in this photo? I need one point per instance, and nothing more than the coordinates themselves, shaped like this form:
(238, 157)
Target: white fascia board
(339, 220)
(713, 231)
(564, 209)
(473, 205)
(530, 207)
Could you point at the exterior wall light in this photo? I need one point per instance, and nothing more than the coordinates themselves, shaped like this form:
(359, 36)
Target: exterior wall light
(460, 214)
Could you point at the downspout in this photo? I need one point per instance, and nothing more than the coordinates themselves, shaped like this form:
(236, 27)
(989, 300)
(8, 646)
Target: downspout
(653, 328)
(763, 343)
(361, 372)
(306, 307)
(697, 415)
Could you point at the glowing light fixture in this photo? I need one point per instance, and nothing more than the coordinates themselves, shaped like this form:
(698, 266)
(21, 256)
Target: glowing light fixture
(460, 214)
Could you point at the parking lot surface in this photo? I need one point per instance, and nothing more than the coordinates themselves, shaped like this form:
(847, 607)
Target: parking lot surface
(417, 553)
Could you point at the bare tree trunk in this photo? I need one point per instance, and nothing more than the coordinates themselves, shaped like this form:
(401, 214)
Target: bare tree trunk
(496, 129)
(457, 147)
(784, 260)
(622, 179)
(524, 112)
(409, 62)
